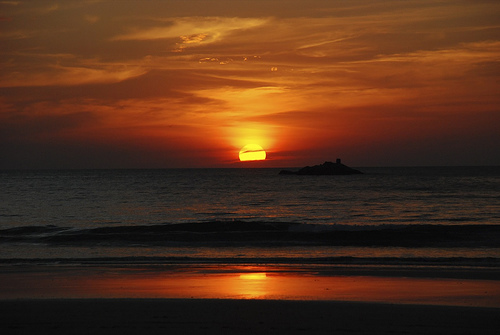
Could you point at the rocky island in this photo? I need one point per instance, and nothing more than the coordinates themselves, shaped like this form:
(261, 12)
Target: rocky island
(327, 168)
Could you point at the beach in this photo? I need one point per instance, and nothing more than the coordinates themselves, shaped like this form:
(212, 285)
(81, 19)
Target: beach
(245, 251)
(245, 300)
(209, 316)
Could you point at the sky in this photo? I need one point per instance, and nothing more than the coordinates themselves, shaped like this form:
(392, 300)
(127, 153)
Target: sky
(188, 83)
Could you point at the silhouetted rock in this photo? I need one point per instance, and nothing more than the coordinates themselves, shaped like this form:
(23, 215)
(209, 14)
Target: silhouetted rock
(327, 168)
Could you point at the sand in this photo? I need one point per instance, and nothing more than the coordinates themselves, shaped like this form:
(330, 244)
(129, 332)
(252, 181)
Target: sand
(244, 300)
(246, 282)
(224, 316)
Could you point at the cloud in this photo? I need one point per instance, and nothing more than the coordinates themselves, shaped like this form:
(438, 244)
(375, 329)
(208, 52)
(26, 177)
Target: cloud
(16, 34)
(45, 125)
(464, 52)
(11, 3)
(54, 75)
(308, 78)
(190, 40)
(91, 18)
(193, 30)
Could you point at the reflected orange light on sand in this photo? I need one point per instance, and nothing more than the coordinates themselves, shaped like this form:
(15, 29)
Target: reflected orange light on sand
(252, 285)
(225, 286)
(249, 285)
(253, 276)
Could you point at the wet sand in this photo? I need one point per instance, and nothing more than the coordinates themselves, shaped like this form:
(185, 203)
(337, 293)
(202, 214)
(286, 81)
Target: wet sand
(209, 316)
(244, 300)
(248, 282)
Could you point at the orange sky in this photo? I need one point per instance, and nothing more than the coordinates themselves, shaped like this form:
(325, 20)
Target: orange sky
(187, 83)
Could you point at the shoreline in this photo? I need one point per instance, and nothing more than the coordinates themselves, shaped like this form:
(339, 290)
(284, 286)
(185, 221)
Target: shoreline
(233, 316)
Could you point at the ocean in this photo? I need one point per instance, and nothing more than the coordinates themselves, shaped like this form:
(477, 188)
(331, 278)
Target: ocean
(445, 217)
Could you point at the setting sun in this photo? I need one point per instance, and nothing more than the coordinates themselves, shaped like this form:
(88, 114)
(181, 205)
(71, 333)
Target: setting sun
(252, 152)
(169, 85)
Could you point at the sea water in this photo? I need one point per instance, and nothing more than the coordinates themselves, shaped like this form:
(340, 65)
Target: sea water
(444, 216)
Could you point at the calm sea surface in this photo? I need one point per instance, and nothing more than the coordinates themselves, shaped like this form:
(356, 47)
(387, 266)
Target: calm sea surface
(426, 215)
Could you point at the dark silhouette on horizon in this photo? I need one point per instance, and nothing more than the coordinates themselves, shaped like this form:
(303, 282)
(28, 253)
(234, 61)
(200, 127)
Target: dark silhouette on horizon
(327, 168)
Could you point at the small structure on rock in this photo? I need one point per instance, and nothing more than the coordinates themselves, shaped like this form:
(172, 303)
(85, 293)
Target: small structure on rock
(327, 168)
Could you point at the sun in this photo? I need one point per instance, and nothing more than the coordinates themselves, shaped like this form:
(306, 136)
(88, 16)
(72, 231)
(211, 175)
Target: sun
(252, 152)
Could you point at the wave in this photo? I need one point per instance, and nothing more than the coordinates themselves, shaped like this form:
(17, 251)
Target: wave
(251, 233)
(474, 262)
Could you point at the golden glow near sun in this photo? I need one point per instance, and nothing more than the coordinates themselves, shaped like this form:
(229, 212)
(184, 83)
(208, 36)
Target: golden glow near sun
(252, 152)
(207, 83)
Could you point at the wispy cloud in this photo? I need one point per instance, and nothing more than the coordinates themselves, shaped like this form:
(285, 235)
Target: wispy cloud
(11, 3)
(54, 75)
(91, 18)
(211, 28)
(322, 76)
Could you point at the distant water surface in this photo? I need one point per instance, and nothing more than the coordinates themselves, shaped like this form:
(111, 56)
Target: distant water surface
(427, 214)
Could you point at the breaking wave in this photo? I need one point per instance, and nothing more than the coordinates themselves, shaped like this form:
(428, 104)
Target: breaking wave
(248, 233)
